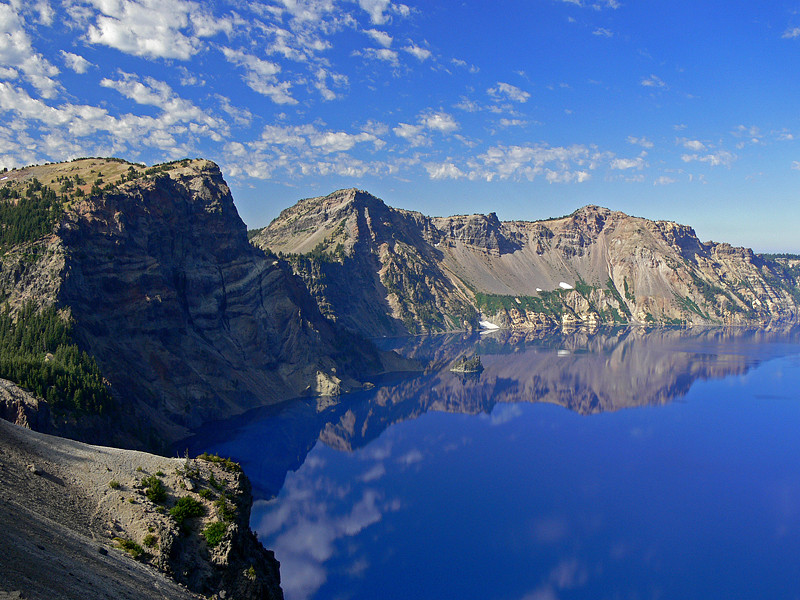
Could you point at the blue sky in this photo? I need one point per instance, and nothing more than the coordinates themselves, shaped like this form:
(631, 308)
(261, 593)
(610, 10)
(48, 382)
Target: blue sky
(687, 111)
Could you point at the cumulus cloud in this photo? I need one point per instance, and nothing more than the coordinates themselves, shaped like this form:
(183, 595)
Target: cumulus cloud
(77, 129)
(653, 81)
(75, 62)
(419, 53)
(508, 91)
(18, 58)
(695, 145)
(640, 141)
(261, 75)
(439, 121)
(446, 170)
(378, 10)
(413, 134)
(623, 164)
(154, 28)
(382, 54)
(383, 38)
(791, 33)
(714, 159)
(557, 164)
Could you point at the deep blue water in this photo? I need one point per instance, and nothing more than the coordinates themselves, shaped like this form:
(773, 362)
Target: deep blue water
(616, 465)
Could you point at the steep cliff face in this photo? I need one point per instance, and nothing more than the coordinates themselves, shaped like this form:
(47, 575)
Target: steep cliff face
(187, 321)
(593, 266)
(374, 269)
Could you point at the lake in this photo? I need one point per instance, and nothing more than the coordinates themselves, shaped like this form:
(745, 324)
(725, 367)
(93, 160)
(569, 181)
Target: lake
(619, 464)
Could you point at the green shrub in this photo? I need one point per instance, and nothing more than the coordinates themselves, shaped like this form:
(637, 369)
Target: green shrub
(154, 489)
(114, 484)
(131, 547)
(215, 532)
(150, 540)
(225, 512)
(207, 494)
(186, 508)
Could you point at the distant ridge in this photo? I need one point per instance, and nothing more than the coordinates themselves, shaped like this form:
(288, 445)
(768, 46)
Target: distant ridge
(385, 271)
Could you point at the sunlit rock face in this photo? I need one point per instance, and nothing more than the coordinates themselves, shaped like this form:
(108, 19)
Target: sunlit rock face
(415, 273)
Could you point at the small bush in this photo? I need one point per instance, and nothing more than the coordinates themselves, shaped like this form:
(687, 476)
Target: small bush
(207, 494)
(154, 489)
(216, 484)
(250, 573)
(214, 533)
(131, 547)
(186, 508)
(159, 473)
(150, 540)
(225, 512)
(113, 484)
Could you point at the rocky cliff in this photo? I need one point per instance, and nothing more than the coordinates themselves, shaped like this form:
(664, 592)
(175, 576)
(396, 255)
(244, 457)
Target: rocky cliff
(186, 321)
(591, 267)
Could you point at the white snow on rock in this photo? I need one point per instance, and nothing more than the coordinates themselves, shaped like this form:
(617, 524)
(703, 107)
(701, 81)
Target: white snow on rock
(565, 286)
(487, 325)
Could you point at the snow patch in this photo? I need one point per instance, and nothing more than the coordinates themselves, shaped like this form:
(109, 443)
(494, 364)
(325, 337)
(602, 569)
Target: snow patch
(565, 286)
(487, 325)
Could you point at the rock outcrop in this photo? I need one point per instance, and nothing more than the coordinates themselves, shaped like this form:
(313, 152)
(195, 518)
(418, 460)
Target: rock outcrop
(591, 267)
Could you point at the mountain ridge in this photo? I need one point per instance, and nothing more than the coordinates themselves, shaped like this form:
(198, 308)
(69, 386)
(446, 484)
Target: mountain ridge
(592, 266)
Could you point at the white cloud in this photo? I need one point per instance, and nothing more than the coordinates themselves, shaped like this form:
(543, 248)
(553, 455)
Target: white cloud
(446, 170)
(377, 10)
(558, 164)
(260, 76)
(603, 32)
(414, 134)
(511, 92)
(383, 38)
(664, 180)
(383, 54)
(714, 159)
(154, 28)
(75, 62)
(695, 145)
(439, 121)
(791, 33)
(78, 130)
(419, 53)
(642, 141)
(512, 123)
(623, 164)
(653, 81)
(17, 55)
(464, 65)
(796, 165)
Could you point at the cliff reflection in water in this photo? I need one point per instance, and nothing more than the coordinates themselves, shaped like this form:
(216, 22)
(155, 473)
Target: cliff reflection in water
(586, 372)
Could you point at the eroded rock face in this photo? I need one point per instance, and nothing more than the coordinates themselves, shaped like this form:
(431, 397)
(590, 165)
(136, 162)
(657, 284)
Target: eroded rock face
(591, 267)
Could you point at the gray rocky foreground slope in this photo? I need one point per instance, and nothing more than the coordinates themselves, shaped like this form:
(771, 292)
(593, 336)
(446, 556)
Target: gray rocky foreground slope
(72, 517)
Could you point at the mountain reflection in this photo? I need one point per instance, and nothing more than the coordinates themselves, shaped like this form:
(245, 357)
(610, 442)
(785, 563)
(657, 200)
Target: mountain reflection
(586, 372)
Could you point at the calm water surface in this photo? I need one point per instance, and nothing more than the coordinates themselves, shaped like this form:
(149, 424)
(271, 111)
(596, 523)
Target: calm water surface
(612, 465)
